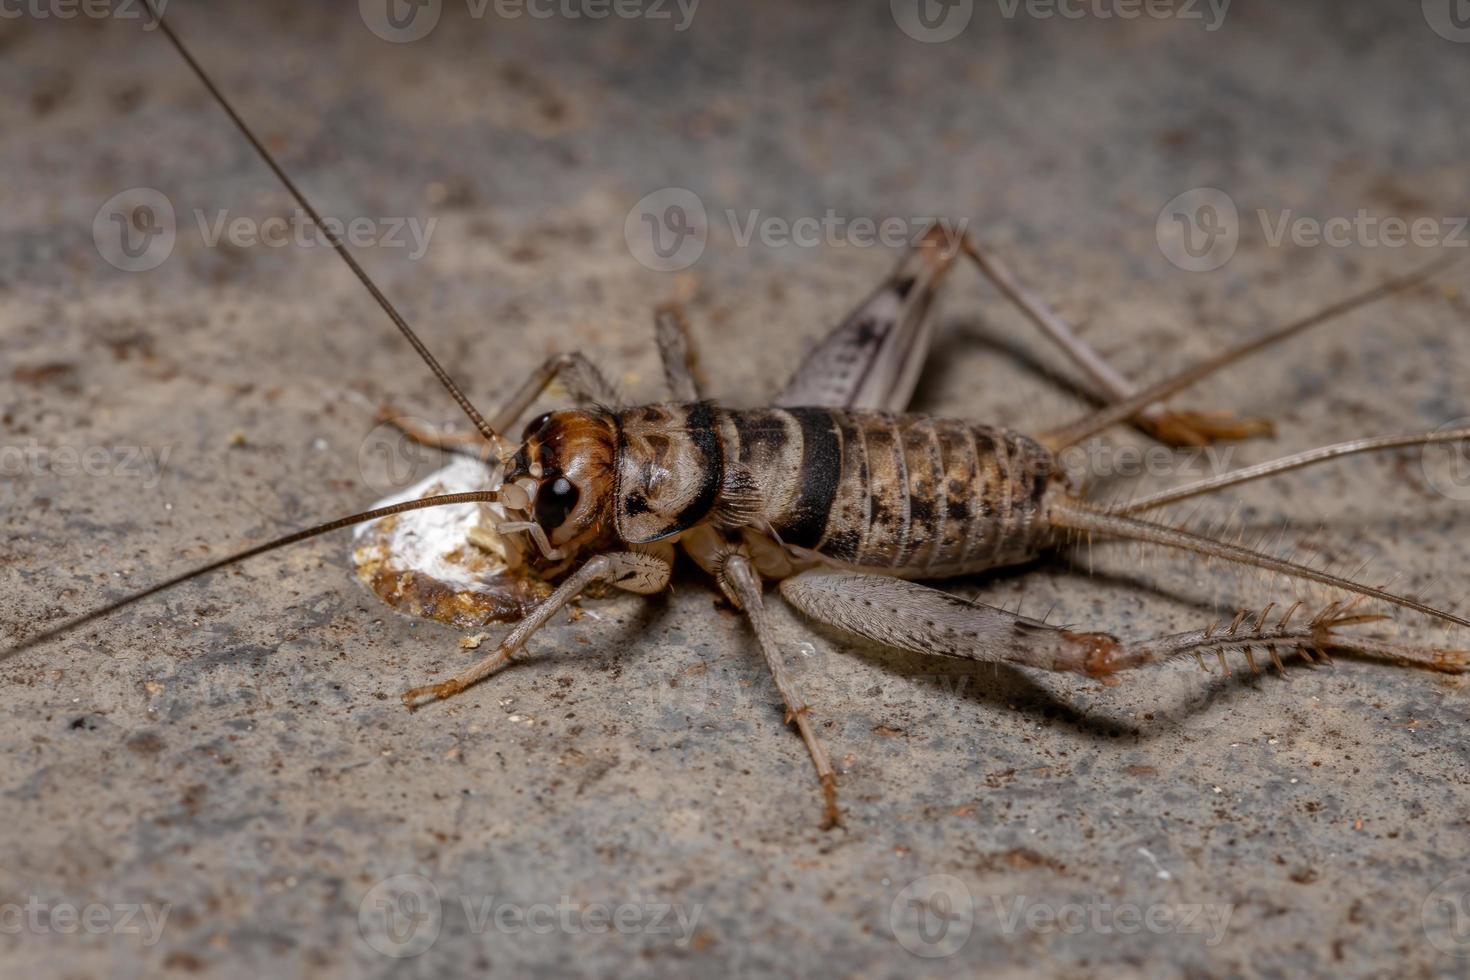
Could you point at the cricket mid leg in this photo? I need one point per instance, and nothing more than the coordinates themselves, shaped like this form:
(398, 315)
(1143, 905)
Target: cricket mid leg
(740, 581)
(676, 350)
(583, 381)
(909, 616)
(1173, 427)
(633, 571)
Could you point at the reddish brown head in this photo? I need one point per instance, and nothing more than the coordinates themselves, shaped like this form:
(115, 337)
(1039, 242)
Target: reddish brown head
(565, 468)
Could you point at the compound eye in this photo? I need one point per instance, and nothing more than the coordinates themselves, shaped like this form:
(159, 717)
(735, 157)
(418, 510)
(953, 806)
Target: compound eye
(555, 500)
(535, 425)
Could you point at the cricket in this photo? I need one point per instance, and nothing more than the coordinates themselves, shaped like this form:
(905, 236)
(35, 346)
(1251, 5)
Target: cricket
(853, 509)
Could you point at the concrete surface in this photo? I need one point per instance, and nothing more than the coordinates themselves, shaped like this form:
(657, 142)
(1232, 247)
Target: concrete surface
(232, 759)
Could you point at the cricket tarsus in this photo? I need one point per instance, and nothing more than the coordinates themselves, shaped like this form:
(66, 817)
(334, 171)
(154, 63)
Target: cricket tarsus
(338, 245)
(475, 496)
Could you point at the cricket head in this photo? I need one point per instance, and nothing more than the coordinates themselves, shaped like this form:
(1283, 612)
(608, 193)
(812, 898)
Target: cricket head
(562, 479)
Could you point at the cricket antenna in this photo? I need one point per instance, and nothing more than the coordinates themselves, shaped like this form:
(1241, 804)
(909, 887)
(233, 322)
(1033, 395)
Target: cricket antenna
(468, 497)
(1075, 515)
(491, 436)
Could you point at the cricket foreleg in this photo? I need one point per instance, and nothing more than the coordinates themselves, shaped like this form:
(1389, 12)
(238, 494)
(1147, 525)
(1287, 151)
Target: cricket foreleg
(1177, 428)
(633, 571)
(676, 350)
(579, 376)
(742, 584)
(908, 616)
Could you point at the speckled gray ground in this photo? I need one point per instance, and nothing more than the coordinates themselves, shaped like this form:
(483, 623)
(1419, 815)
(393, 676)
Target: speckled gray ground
(235, 755)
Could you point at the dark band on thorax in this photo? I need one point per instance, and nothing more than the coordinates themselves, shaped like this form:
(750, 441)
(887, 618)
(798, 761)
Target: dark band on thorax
(821, 469)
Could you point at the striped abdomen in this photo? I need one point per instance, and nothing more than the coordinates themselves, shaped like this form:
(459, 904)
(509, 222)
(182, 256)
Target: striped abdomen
(911, 494)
